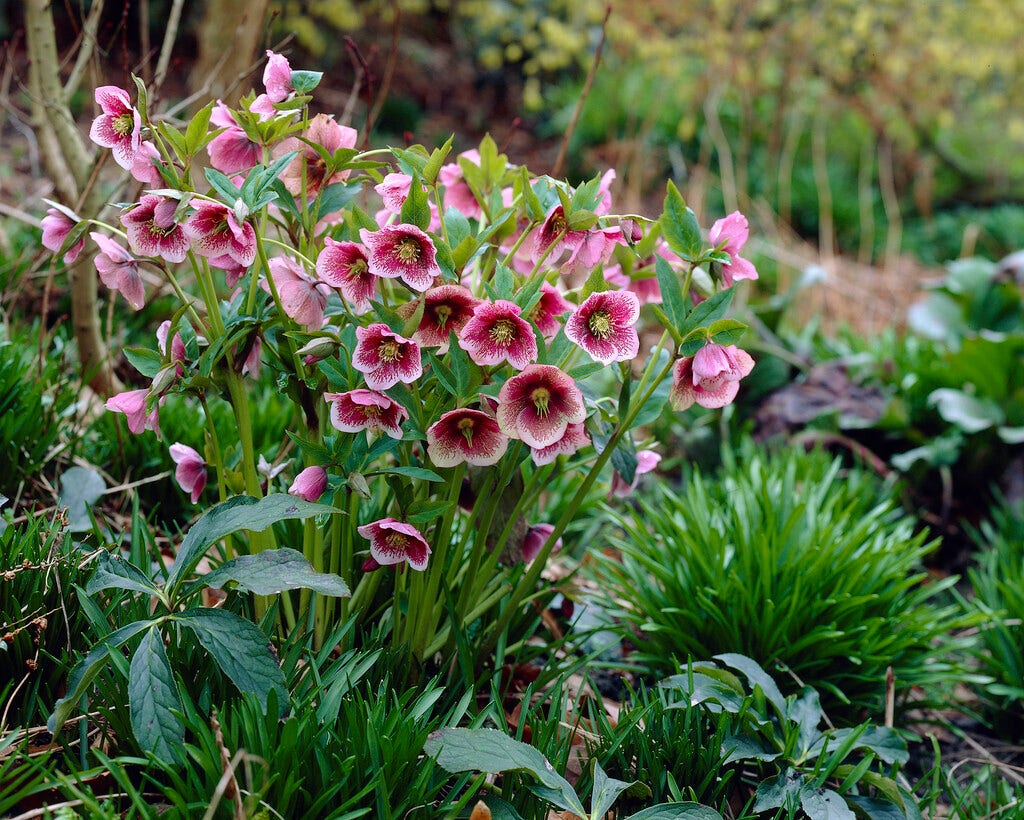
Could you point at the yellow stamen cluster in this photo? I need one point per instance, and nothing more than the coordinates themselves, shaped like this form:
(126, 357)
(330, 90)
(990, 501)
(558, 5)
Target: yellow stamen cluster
(124, 124)
(600, 324)
(466, 427)
(408, 251)
(442, 313)
(397, 540)
(390, 351)
(502, 332)
(156, 230)
(540, 398)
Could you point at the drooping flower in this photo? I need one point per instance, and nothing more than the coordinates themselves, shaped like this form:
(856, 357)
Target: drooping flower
(216, 232)
(575, 437)
(497, 333)
(595, 248)
(402, 251)
(178, 355)
(253, 358)
(732, 233)
(646, 460)
(547, 310)
(366, 410)
(386, 358)
(310, 483)
(133, 404)
(144, 165)
(191, 470)
(604, 326)
(326, 133)
(231, 151)
(536, 537)
(556, 235)
(539, 404)
(277, 77)
(446, 308)
(119, 127)
(119, 270)
(394, 190)
(465, 435)
(56, 227)
(152, 230)
(457, 193)
(393, 541)
(302, 297)
(344, 265)
(711, 377)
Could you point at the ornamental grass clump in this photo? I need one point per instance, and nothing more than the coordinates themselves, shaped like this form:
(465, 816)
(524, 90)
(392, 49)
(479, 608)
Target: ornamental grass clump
(431, 322)
(789, 559)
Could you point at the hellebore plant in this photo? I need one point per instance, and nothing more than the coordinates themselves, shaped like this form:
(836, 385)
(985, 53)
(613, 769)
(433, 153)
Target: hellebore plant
(446, 357)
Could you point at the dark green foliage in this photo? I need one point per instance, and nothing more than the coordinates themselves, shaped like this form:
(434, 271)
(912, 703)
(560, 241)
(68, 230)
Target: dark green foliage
(998, 583)
(40, 626)
(36, 403)
(789, 560)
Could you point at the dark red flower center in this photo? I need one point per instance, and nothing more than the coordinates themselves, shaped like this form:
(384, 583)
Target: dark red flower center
(442, 313)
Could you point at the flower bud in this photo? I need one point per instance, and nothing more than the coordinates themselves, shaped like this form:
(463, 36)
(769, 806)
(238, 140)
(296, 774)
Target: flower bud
(164, 379)
(319, 348)
(310, 483)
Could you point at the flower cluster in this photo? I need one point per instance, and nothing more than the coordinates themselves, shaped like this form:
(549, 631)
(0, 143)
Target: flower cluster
(480, 324)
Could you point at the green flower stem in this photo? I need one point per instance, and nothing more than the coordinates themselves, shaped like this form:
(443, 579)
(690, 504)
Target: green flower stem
(261, 253)
(313, 555)
(218, 454)
(529, 579)
(430, 602)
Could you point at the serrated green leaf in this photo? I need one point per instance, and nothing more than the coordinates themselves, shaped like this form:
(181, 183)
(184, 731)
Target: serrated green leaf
(423, 512)
(825, 804)
(417, 473)
(303, 82)
(443, 373)
(88, 668)
(679, 226)
(416, 207)
(607, 790)
(242, 512)
(240, 649)
(147, 362)
(154, 704)
(710, 310)
(671, 292)
(756, 676)
(596, 283)
(488, 750)
(503, 282)
(456, 226)
(195, 133)
(437, 158)
(222, 185)
(142, 99)
(676, 811)
(119, 573)
(176, 139)
(273, 571)
(726, 331)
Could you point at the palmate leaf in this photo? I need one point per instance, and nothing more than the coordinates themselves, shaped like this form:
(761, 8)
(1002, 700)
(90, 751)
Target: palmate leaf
(153, 700)
(240, 649)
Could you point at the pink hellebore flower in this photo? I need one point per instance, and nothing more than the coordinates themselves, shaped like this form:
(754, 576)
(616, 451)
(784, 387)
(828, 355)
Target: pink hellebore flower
(604, 326)
(393, 541)
(343, 265)
(497, 333)
(539, 404)
(310, 483)
(231, 151)
(191, 470)
(56, 227)
(646, 460)
(457, 193)
(595, 248)
(402, 251)
(133, 404)
(732, 233)
(119, 270)
(574, 438)
(119, 127)
(465, 435)
(326, 133)
(394, 190)
(216, 232)
(366, 410)
(604, 193)
(152, 230)
(277, 77)
(536, 537)
(302, 298)
(446, 308)
(386, 358)
(711, 378)
(177, 345)
(554, 232)
(547, 310)
(144, 165)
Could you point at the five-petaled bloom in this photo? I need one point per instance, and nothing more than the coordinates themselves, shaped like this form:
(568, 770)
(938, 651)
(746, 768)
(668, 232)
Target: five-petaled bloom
(732, 233)
(119, 270)
(302, 297)
(215, 232)
(385, 358)
(393, 541)
(711, 377)
(366, 410)
(152, 230)
(575, 436)
(498, 333)
(465, 435)
(539, 404)
(446, 309)
(343, 265)
(119, 127)
(604, 326)
(310, 483)
(402, 251)
(326, 133)
(191, 470)
(133, 404)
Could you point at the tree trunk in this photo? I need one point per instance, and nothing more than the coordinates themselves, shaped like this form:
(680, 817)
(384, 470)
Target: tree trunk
(229, 37)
